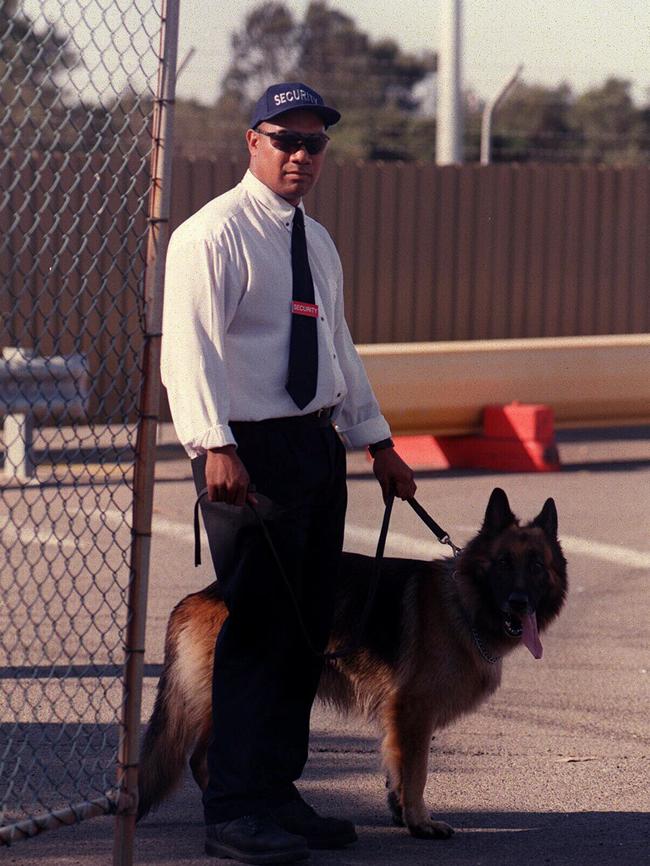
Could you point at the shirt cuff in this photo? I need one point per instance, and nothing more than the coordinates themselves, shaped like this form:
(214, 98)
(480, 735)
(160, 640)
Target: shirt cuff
(215, 437)
(372, 430)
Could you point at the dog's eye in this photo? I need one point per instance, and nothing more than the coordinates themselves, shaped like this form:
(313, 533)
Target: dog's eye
(503, 561)
(536, 566)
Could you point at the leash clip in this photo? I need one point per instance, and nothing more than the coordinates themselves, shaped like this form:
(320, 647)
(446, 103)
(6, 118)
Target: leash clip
(447, 540)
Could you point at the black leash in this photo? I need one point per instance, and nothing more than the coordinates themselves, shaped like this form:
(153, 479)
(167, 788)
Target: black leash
(441, 535)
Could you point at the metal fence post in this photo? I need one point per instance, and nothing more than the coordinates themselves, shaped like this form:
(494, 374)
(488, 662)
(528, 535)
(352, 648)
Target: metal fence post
(161, 162)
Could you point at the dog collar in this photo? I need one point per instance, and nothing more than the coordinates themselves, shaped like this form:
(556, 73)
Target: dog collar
(480, 646)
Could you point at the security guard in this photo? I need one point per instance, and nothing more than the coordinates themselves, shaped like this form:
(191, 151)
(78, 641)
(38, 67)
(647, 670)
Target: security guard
(265, 385)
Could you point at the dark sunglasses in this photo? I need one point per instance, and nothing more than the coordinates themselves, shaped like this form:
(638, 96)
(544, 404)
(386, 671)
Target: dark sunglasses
(291, 142)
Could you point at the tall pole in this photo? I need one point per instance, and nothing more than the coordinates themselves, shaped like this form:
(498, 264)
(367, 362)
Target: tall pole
(449, 116)
(161, 164)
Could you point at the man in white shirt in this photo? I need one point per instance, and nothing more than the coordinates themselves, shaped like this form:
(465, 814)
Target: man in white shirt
(262, 400)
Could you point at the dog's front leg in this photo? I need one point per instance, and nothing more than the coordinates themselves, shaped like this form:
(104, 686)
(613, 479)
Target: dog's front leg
(409, 727)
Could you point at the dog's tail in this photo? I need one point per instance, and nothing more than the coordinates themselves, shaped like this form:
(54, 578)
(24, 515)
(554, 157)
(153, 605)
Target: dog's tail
(182, 711)
(164, 749)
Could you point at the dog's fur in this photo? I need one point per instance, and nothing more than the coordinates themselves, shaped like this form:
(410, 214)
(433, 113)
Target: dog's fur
(429, 653)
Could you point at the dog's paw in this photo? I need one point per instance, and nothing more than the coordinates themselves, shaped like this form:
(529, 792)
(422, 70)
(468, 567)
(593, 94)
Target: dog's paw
(395, 809)
(430, 829)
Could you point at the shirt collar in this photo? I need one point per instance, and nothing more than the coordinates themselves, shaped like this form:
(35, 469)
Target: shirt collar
(278, 206)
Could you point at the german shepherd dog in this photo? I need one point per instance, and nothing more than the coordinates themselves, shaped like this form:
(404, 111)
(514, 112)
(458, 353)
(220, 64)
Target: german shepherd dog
(431, 651)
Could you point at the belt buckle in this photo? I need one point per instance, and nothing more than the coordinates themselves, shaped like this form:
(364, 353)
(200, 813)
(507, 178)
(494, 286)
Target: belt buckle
(320, 413)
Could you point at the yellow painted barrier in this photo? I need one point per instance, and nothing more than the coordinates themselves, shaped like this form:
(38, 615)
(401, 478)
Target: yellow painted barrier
(441, 388)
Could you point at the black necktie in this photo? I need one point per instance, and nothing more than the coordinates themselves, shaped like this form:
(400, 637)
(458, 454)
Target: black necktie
(303, 349)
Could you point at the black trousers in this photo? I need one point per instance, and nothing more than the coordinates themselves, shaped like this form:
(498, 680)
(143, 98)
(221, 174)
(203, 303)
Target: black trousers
(265, 678)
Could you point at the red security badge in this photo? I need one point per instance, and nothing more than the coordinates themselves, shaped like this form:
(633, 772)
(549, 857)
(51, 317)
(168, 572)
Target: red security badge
(300, 308)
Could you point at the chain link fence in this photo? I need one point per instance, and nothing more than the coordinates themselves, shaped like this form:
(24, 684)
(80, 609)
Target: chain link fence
(77, 103)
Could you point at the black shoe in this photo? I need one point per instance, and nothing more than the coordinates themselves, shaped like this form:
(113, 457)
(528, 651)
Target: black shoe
(254, 839)
(298, 817)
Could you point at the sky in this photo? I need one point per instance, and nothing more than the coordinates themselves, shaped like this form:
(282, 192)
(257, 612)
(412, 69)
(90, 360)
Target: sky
(577, 41)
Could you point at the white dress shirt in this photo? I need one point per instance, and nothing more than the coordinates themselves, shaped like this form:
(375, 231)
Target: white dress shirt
(227, 323)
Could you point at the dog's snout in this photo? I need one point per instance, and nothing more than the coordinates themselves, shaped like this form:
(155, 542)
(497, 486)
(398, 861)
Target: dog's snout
(518, 602)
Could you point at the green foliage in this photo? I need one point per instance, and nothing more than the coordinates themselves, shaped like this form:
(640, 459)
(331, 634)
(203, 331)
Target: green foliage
(601, 125)
(387, 134)
(28, 57)
(262, 52)
(611, 129)
(38, 108)
(30, 65)
(356, 74)
(371, 83)
(534, 121)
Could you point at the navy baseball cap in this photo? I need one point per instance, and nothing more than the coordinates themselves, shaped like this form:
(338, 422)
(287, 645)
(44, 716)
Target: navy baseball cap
(279, 98)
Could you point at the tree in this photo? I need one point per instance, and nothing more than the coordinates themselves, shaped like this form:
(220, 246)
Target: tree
(370, 82)
(354, 72)
(608, 122)
(601, 125)
(30, 63)
(375, 85)
(534, 124)
(26, 54)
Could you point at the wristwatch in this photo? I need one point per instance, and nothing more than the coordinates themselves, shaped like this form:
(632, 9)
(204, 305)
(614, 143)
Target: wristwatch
(379, 446)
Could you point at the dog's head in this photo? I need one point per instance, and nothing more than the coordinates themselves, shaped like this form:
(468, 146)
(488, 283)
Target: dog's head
(517, 573)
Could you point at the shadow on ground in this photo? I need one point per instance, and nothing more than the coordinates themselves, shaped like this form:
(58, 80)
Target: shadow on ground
(482, 839)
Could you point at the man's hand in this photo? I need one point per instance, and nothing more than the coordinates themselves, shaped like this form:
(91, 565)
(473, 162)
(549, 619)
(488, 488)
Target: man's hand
(394, 475)
(226, 477)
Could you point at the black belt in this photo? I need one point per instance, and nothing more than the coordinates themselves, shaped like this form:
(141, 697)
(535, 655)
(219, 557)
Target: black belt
(319, 418)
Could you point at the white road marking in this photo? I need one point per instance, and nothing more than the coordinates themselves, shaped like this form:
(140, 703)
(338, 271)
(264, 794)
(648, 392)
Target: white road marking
(355, 536)
(614, 553)
(617, 554)
(406, 545)
(174, 529)
(397, 542)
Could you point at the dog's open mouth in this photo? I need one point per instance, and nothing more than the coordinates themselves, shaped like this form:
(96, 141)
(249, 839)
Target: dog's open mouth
(524, 627)
(512, 626)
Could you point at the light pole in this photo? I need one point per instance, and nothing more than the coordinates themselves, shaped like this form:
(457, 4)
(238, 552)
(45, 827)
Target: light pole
(449, 115)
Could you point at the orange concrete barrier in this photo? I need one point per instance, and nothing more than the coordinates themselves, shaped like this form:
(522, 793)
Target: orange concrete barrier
(518, 437)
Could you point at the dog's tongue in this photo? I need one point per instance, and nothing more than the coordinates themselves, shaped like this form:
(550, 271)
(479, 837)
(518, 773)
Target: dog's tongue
(530, 635)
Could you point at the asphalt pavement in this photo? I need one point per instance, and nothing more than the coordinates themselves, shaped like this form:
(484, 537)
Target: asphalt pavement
(553, 769)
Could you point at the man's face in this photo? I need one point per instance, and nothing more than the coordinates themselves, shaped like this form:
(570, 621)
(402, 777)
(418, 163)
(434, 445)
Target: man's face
(289, 175)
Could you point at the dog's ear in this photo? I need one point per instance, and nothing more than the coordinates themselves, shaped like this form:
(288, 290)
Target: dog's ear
(498, 515)
(547, 519)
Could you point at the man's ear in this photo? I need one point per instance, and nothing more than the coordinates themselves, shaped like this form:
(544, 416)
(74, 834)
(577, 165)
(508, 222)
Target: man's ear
(252, 141)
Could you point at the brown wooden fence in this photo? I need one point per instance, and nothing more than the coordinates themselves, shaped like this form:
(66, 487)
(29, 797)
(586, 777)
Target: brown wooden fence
(429, 253)
(474, 252)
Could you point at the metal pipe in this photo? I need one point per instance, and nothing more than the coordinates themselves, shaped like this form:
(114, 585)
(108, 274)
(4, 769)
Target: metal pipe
(488, 111)
(449, 114)
(161, 163)
(53, 820)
